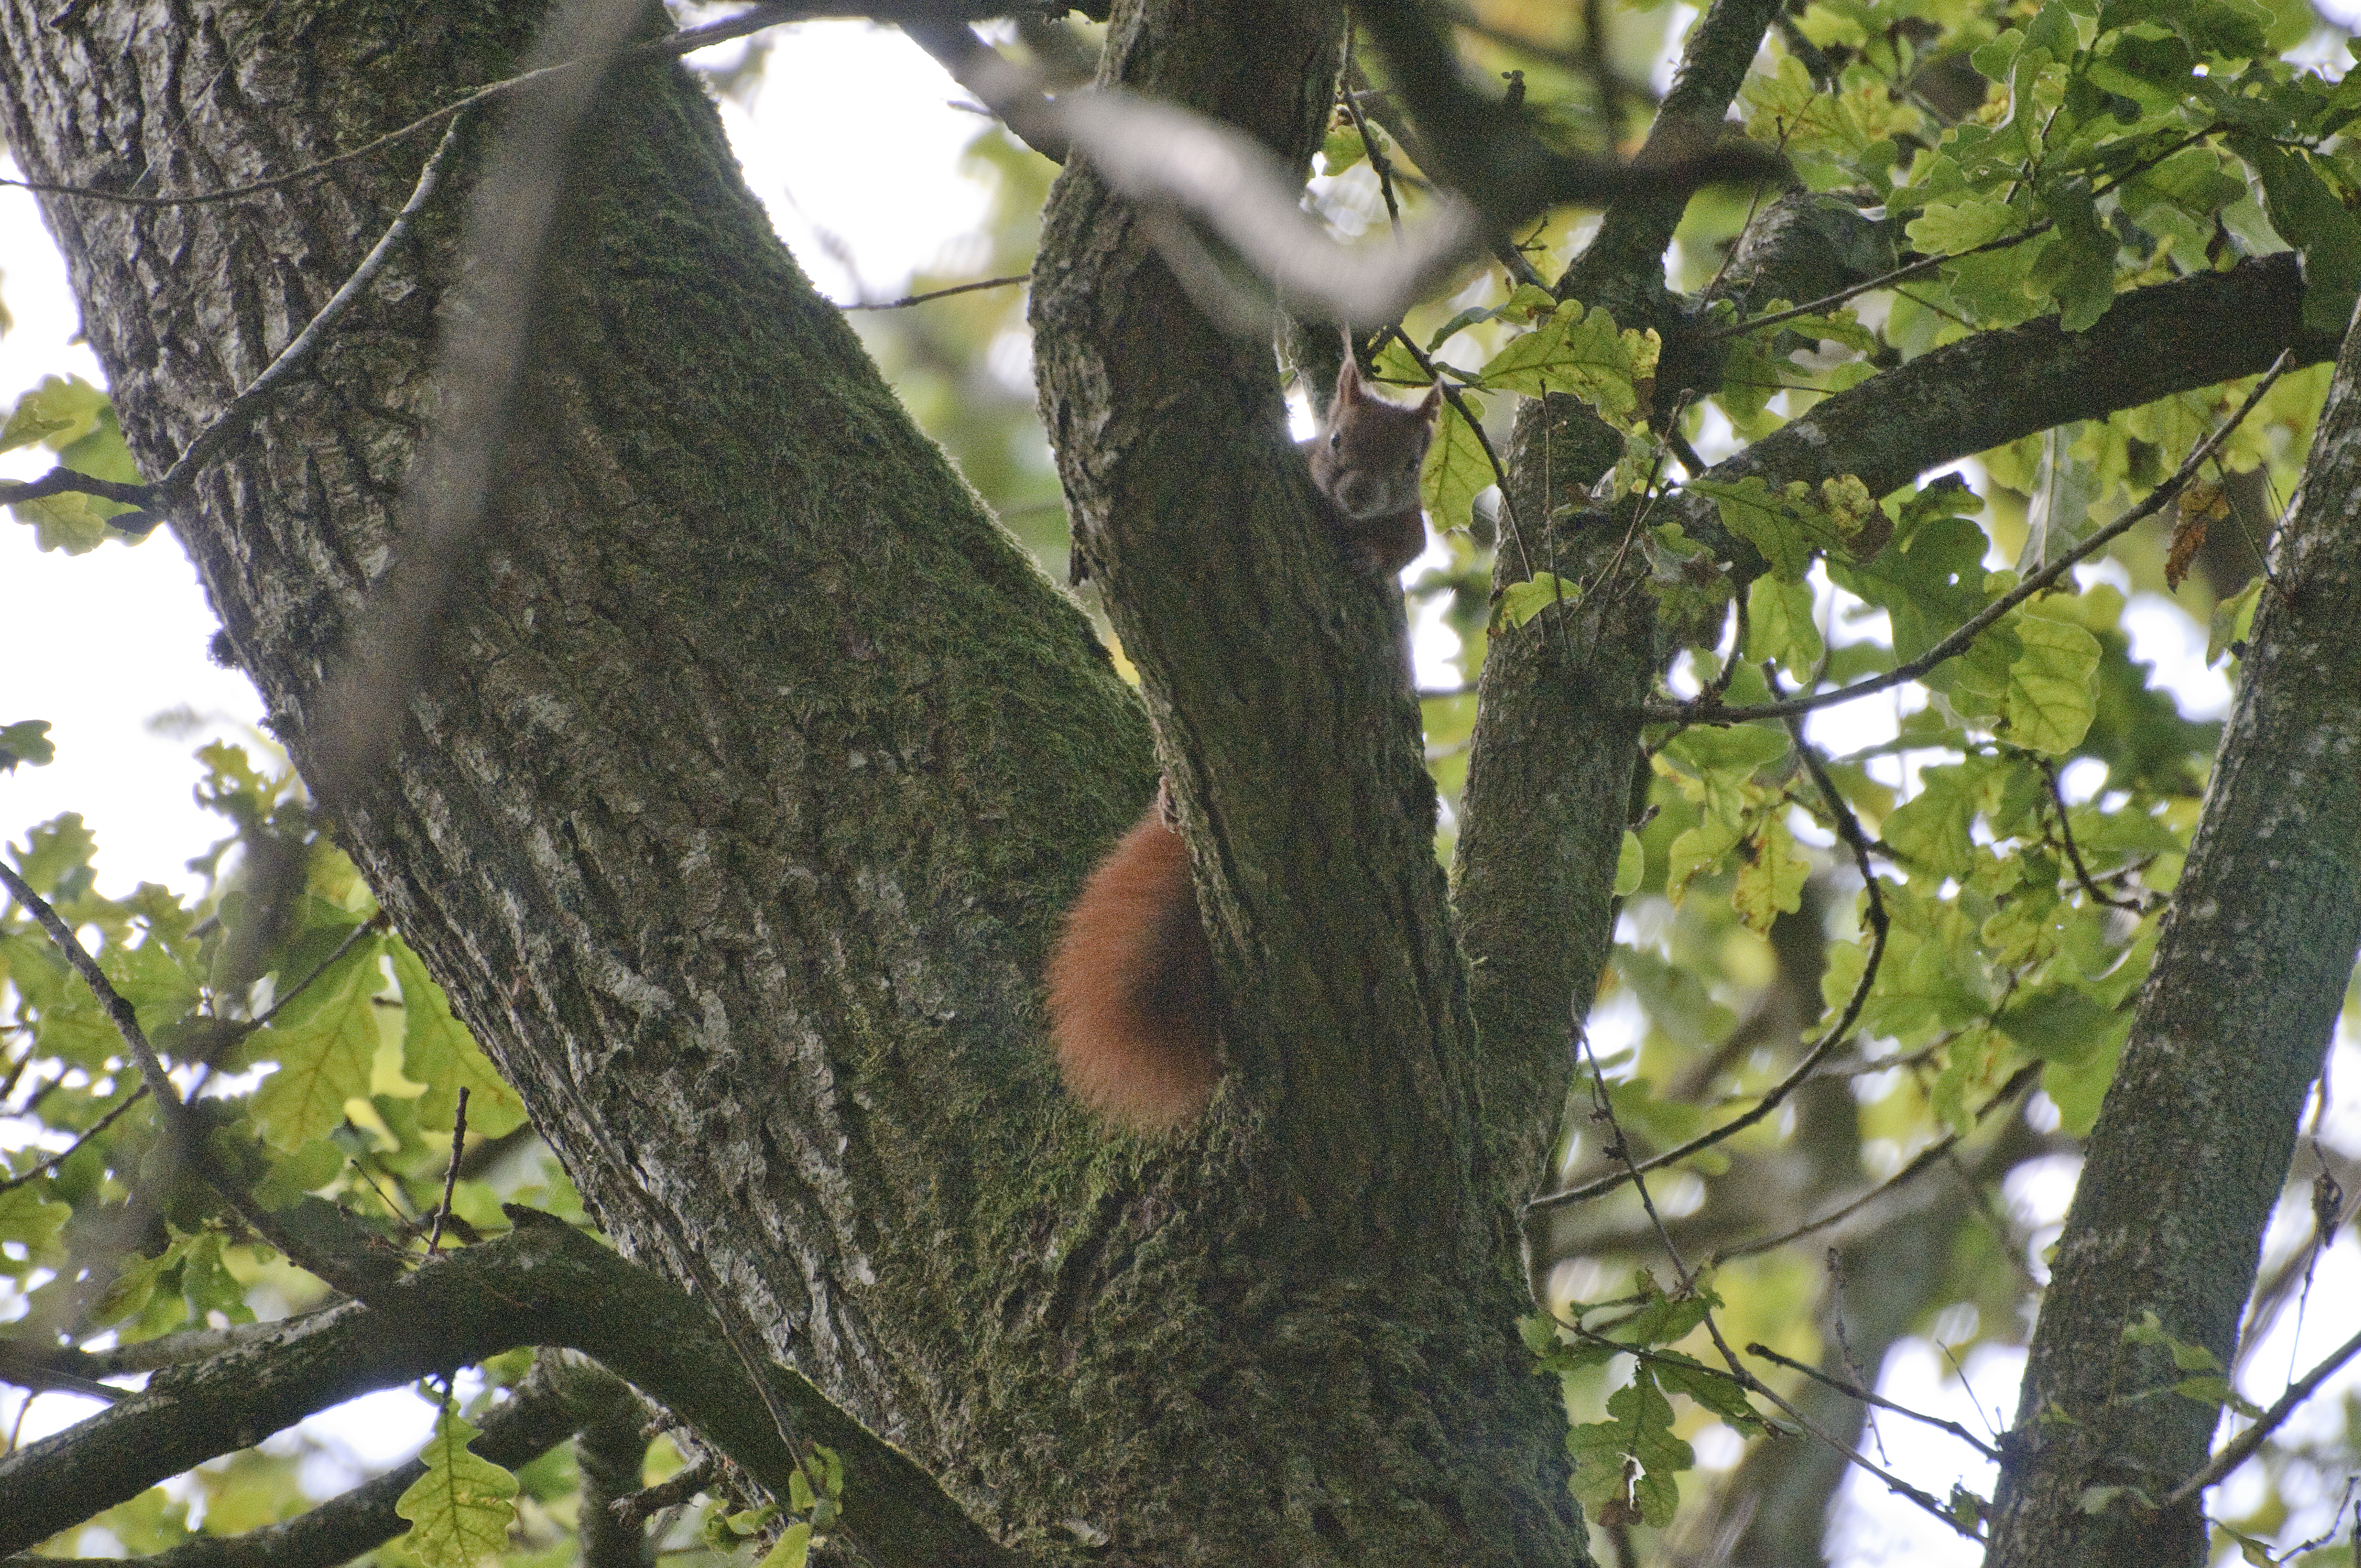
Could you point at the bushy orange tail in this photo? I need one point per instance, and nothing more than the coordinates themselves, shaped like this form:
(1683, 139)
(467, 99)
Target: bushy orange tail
(1131, 986)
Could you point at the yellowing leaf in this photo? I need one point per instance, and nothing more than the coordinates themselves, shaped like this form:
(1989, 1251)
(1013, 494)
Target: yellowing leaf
(324, 1057)
(2052, 686)
(437, 1051)
(1456, 472)
(1771, 882)
(460, 1510)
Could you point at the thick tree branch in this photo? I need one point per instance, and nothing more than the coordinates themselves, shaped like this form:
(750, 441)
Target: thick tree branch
(1628, 248)
(1995, 386)
(542, 1284)
(536, 1418)
(1550, 773)
(1483, 147)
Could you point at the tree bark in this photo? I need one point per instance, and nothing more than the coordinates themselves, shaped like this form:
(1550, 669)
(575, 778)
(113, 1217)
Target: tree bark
(2191, 1146)
(753, 764)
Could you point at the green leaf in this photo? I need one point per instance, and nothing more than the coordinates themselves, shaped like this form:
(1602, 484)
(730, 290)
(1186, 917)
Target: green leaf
(133, 1286)
(2052, 684)
(1520, 602)
(1715, 1390)
(1698, 852)
(1631, 865)
(1931, 828)
(1341, 149)
(2232, 619)
(2077, 264)
(460, 1510)
(2232, 30)
(1779, 525)
(206, 1284)
(324, 1042)
(1457, 471)
(1780, 625)
(437, 1051)
(2061, 1023)
(56, 857)
(1662, 1318)
(27, 741)
(60, 411)
(2187, 1356)
(1790, 526)
(1948, 230)
(2310, 217)
(31, 1221)
(1578, 352)
(1628, 1463)
(791, 1549)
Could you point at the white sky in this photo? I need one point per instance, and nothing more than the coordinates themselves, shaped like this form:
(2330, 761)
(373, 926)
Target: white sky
(851, 146)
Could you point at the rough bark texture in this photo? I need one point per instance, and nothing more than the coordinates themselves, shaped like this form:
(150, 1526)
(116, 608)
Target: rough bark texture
(1557, 724)
(2192, 1143)
(755, 763)
(1341, 1162)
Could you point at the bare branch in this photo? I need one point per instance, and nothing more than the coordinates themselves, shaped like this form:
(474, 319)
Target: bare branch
(1871, 1397)
(909, 300)
(242, 410)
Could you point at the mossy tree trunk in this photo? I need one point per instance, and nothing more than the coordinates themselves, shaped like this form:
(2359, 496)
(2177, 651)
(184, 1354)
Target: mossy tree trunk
(753, 764)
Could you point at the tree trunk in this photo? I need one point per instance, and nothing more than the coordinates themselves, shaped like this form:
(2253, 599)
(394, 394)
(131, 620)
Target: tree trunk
(754, 763)
(2192, 1143)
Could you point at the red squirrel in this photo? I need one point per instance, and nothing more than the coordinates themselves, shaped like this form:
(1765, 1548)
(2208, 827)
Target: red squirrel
(1131, 981)
(1366, 461)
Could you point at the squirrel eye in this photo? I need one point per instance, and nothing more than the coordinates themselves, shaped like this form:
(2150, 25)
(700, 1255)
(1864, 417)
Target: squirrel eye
(1335, 440)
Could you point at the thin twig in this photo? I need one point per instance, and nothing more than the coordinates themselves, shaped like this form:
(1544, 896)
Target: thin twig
(2242, 1448)
(184, 1138)
(1882, 280)
(156, 500)
(377, 922)
(1927, 263)
(93, 1130)
(1934, 1154)
(906, 301)
(450, 1173)
(169, 1106)
(2074, 851)
(243, 408)
(1380, 164)
(1847, 829)
(738, 26)
(1603, 1110)
(1871, 1397)
(1975, 626)
(63, 481)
